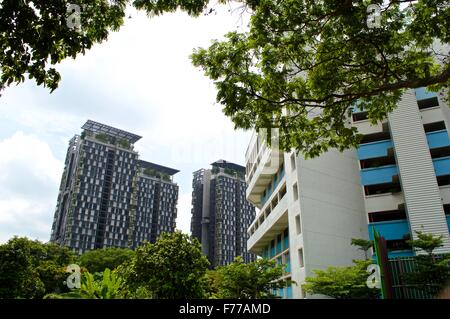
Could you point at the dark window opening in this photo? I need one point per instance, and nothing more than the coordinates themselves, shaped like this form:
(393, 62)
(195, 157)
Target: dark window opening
(443, 180)
(440, 152)
(379, 161)
(398, 244)
(384, 216)
(447, 209)
(427, 103)
(436, 126)
(361, 116)
(382, 188)
(376, 137)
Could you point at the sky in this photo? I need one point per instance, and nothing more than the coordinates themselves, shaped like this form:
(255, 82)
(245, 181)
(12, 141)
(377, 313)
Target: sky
(141, 80)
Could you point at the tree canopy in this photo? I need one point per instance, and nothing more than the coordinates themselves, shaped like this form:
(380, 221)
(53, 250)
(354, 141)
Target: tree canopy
(431, 272)
(30, 269)
(98, 260)
(342, 282)
(171, 268)
(36, 35)
(254, 280)
(303, 65)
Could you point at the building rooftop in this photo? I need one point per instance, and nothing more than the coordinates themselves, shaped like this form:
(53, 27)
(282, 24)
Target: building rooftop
(224, 164)
(159, 168)
(109, 130)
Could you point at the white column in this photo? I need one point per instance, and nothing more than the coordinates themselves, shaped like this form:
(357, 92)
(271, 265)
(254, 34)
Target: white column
(418, 179)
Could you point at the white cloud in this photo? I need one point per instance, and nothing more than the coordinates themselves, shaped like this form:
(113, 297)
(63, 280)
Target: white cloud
(29, 175)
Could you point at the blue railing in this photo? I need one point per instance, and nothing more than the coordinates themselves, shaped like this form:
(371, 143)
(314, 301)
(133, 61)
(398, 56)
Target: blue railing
(390, 230)
(423, 94)
(378, 175)
(438, 139)
(279, 247)
(288, 264)
(374, 149)
(271, 187)
(289, 292)
(442, 166)
(400, 253)
(286, 241)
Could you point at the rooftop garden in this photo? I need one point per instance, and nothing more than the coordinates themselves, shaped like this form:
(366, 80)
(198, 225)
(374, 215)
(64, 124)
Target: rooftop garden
(154, 173)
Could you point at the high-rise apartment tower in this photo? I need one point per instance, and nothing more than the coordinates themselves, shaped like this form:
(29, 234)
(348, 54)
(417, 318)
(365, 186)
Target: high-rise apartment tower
(221, 214)
(108, 197)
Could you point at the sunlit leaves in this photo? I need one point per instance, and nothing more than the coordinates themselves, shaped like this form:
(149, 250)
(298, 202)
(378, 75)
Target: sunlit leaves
(303, 65)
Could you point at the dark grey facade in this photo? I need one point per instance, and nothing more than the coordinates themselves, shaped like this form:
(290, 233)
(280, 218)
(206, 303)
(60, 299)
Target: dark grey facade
(110, 198)
(220, 212)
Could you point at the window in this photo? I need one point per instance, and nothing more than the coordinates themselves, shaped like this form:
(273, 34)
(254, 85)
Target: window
(286, 239)
(383, 216)
(382, 188)
(298, 225)
(293, 161)
(361, 116)
(278, 244)
(436, 126)
(443, 180)
(295, 191)
(300, 258)
(272, 248)
(395, 245)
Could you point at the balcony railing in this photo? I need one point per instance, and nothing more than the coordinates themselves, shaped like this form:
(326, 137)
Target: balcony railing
(438, 139)
(374, 149)
(390, 230)
(442, 166)
(423, 94)
(379, 175)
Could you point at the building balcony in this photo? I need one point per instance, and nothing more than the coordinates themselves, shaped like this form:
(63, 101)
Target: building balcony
(262, 172)
(442, 166)
(390, 230)
(438, 139)
(374, 149)
(425, 98)
(431, 115)
(274, 223)
(385, 202)
(379, 175)
(423, 94)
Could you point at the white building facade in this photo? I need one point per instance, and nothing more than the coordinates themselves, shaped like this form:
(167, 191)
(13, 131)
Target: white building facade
(397, 182)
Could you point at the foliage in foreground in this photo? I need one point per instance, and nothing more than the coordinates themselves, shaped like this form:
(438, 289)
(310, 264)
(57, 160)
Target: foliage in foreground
(298, 57)
(432, 272)
(171, 268)
(342, 282)
(106, 288)
(254, 280)
(98, 260)
(304, 65)
(30, 269)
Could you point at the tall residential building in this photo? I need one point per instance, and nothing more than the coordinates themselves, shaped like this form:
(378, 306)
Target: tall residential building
(108, 197)
(397, 182)
(221, 214)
